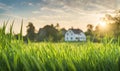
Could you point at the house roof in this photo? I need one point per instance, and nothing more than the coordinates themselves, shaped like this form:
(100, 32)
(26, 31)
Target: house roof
(76, 31)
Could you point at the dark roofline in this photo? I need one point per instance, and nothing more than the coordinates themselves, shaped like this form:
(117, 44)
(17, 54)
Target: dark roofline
(76, 31)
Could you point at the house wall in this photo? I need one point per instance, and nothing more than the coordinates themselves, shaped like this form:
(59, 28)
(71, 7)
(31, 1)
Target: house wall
(70, 36)
(83, 37)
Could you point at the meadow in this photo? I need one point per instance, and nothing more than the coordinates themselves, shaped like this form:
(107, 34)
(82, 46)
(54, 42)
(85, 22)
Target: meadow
(15, 55)
(47, 56)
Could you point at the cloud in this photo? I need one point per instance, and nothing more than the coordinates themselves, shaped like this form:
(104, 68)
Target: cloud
(77, 13)
(30, 4)
(73, 8)
(4, 6)
(66, 12)
(85, 5)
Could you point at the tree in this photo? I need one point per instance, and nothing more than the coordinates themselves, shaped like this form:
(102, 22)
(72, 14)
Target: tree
(48, 33)
(57, 26)
(90, 27)
(61, 34)
(89, 30)
(99, 31)
(30, 31)
(114, 23)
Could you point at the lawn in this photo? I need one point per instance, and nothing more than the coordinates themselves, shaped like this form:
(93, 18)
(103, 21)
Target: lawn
(48, 56)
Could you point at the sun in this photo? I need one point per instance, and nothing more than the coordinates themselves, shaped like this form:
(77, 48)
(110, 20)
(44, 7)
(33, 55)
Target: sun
(103, 24)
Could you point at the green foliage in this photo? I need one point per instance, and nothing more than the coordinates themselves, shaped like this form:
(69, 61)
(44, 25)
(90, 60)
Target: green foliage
(59, 57)
(5, 38)
(30, 31)
(50, 33)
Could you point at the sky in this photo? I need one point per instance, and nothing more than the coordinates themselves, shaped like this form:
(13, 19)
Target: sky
(68, 13)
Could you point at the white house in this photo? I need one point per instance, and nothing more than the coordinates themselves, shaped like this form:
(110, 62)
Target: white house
(75, 35)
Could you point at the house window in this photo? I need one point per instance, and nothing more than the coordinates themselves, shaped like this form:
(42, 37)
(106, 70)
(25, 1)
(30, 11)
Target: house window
(71, 38)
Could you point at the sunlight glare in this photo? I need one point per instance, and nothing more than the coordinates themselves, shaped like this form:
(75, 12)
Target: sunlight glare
(103, 24)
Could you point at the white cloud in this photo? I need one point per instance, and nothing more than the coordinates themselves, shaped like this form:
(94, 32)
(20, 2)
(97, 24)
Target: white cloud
(30, 4)
(86, 5)
(4, 7)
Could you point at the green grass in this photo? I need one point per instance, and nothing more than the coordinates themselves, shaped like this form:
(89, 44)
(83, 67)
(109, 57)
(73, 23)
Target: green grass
(15, 55)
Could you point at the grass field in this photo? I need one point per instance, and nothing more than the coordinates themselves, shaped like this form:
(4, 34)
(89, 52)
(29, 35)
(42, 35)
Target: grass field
(15, 55)
(46, 56)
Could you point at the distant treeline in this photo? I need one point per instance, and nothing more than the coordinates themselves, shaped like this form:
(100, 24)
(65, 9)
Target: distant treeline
(56, 34)
(47, 33)
(109, 31)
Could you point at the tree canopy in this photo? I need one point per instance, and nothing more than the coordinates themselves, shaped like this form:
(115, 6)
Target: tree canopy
(31, 31)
